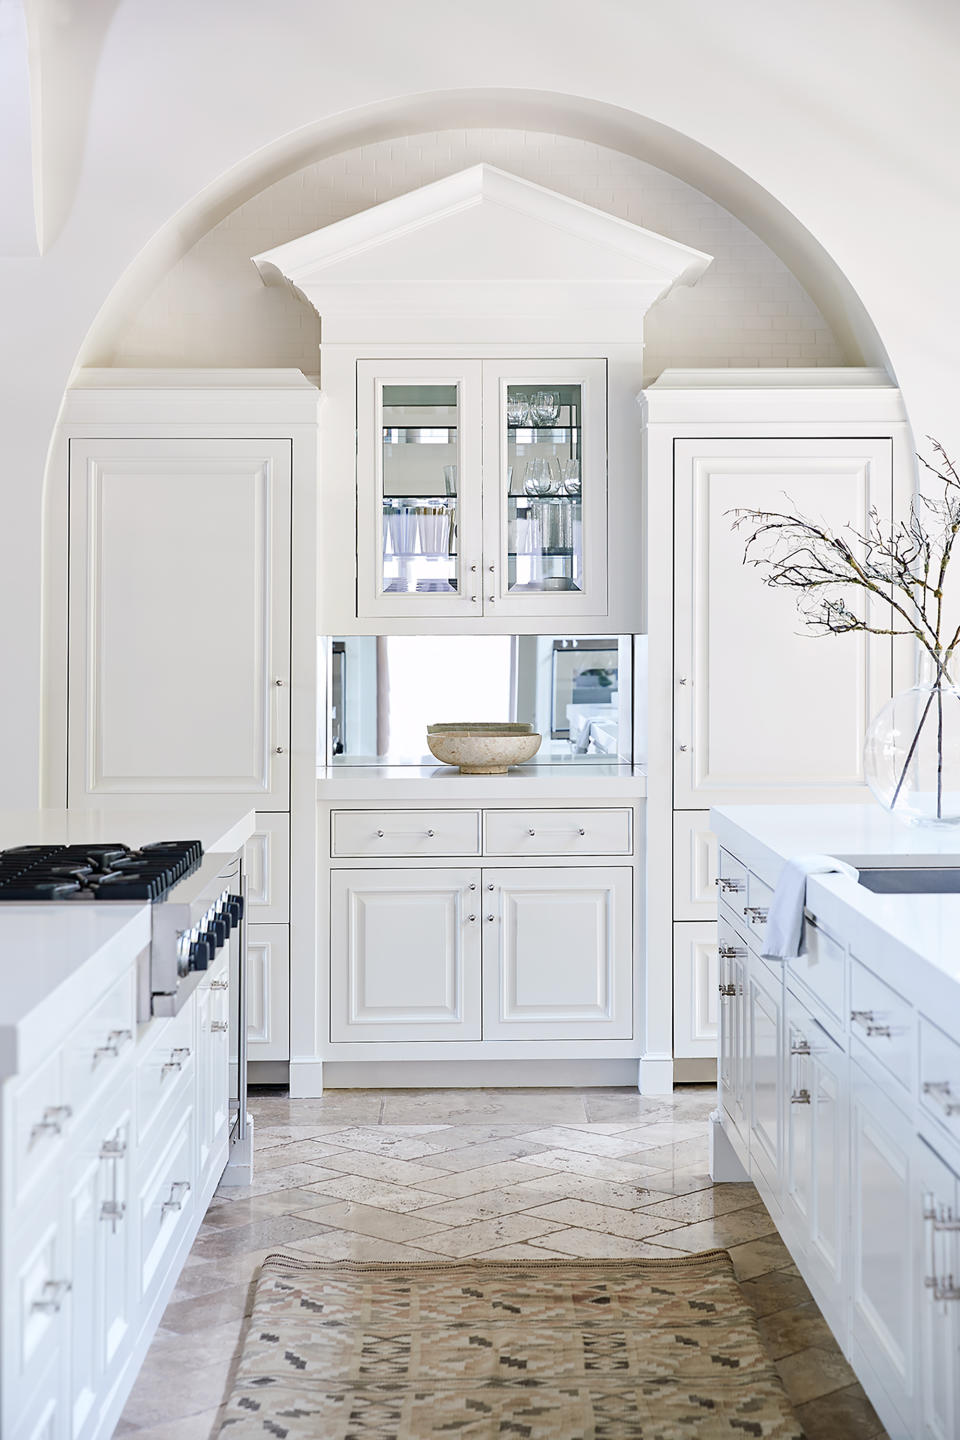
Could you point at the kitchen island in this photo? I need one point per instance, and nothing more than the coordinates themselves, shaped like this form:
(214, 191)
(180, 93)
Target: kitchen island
(114, 1123)
(840, 1090)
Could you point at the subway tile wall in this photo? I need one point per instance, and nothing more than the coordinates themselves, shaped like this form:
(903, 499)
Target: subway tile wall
(213, 309)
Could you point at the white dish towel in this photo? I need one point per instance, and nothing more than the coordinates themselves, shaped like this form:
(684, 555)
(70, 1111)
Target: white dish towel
(785, 921)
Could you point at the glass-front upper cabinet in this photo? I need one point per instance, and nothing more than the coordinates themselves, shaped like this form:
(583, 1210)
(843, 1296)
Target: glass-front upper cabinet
(545, 452)
(482, 488)
(419, 493)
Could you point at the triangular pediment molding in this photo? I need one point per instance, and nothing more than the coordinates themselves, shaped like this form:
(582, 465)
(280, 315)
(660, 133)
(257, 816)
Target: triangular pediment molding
(482, 248)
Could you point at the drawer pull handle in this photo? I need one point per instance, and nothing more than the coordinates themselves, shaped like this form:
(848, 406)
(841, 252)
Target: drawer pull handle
(112, 1210)
(940, 1091)
(732, 952)
(113, 1149)
(727, 991)
(868, 1022)
(800, 1097)
(172, 1067)
(53, 1293)
(757, 914)
(802, 1047)
(178, 1193)
(578, 830)
(941, 1221)
(52, 1123)
(219, 1026)
(406, 834)
(219, 984)
(729, 886)
(111, 1050)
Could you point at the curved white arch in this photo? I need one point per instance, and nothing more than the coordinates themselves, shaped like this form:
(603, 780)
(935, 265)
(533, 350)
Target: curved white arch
(567, 115)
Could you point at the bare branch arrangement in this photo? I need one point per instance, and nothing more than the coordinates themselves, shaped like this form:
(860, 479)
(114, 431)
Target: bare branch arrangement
(887, 580)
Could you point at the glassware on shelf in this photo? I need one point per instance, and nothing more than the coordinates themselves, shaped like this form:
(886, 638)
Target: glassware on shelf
(541, 477)
(518, 410)
(570, 477)
(450, 479)
(544, 407)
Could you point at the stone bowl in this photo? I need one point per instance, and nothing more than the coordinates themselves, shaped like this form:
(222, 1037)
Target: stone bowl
(483, 748)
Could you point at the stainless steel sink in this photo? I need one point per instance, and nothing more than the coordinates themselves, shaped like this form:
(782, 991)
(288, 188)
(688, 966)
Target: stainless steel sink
(911, 880)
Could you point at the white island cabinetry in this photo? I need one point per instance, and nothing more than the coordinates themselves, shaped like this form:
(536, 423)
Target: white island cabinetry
(840, 1093)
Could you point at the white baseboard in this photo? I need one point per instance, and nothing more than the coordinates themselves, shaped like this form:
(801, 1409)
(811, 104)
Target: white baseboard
(307, 1079)
(725, 1164)
(464, 1074)
(654, 1075)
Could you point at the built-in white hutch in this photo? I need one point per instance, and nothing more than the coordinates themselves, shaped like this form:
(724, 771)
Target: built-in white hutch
(474, 467)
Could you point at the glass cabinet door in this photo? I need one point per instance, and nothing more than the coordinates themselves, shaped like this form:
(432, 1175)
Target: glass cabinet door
(419, 531)
(545, 527)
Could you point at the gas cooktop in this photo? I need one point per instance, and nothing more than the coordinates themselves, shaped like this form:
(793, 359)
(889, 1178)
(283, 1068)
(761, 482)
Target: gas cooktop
(95, 872)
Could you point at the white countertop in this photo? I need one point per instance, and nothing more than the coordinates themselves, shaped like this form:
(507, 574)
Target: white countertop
(911, 941)
(423, 783)
(220, 827)
(56, 959)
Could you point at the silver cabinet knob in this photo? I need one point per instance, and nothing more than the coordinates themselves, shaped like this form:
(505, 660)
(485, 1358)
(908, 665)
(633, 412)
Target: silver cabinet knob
(475, 598)
(491, 917)
(491, 598)
(472, 885)
(681, 748)
(472, 919)
(473, 569)
(379, 834)
(491, 886)
(219, 1026)
(278, 681)
(581, 831)
(531, 832)
(800, 1097)
(493, 570)
(431, 834)
(278, 750)
(682, 680)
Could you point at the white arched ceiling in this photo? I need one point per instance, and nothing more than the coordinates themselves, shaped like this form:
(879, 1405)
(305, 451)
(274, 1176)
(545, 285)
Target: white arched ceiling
(585, 122)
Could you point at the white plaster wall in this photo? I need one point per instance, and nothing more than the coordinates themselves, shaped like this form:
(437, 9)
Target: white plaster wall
(841, 115)
(213, 309)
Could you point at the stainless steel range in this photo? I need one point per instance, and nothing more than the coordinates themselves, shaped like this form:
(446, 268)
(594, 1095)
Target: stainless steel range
(197, 908)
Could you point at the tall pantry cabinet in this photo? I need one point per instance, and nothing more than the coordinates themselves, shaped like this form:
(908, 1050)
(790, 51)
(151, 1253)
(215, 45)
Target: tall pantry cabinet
(747, 705)
(188, 495)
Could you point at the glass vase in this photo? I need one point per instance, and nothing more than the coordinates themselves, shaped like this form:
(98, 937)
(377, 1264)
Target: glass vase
(912, 750)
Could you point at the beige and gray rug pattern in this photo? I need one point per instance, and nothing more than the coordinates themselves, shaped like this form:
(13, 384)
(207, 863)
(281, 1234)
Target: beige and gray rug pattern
(449, 1175)
(544, 1350)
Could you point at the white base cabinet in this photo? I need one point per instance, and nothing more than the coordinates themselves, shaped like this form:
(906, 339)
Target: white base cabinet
(841, 1130)
(529, 941)
(94, 1231)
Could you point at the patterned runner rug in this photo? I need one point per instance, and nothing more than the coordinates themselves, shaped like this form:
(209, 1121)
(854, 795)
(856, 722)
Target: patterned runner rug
(545, 1350)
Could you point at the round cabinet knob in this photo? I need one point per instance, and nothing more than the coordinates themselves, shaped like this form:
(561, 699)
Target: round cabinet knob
(491, 917)
(472, 919)
(491, 887)
(491, 598)
(473, 569)
(475, 598)
(682, 680)
(379, 834)
(472, 885)
(278, 750)
(431, 834)
(493, 570)
(681, 748)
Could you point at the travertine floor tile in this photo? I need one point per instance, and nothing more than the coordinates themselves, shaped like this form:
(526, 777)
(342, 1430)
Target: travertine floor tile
(784, 1332)
(485, 1177)
(609, 1147)
(372, 1192)
(593, 1166)
(525, 1107)
(842, 1415)
(756, 1257)
(350, 1245)
(282, 1177)
(494, 1152)
(591, 1244)
(488, 1235)
(703, 1204)
(774, 1290)
(200, 1426)
(380, 1167)
(383, 1224)
(225, 1214)
(629, 1224)
(275, 1230)
(203, 1312)
(565, 1185)
(312, 1151)
(723, 1230)
(483, 1206)
(808, 1374)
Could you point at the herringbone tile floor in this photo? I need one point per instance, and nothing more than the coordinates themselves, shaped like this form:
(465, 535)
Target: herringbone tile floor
(512, 1174)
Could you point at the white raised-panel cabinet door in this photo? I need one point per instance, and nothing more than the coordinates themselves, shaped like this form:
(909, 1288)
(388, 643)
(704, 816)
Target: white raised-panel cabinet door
(179, 621)
(828, 1250)
(545, 488)
(267, 862)
(694, 866)
(405, 955)
(419, 488)
(938, 1258)
(696, 991)
(884, 1219)
(83, 1197)
(732, 964)
(268, 992)
(763, 706)
(558, 954)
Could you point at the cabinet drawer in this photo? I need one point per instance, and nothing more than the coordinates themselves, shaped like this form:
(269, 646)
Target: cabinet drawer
(37, 1305)
(557, 832)
(883, 1021)
(732, 884)
(940, 1076)
(102, 1038)
(405, 832)
(820, 966)
(39, 1121)
(267, 862)
(757, 909)
(165, 1069)
(165, 1204)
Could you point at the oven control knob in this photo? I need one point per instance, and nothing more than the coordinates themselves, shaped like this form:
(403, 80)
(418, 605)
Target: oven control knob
(201, 953)
(225, 919)
(220, 929)
(236, 903)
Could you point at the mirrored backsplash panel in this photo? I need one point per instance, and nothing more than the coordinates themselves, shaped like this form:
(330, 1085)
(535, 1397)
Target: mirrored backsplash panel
(576, 691)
